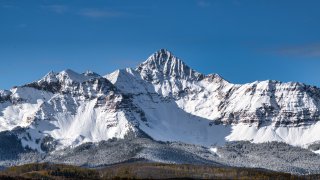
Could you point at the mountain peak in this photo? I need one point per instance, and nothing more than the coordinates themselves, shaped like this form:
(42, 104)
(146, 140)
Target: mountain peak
(50, 77)
(163, 52)
(161, 56)
(68, 76)
(164, 65)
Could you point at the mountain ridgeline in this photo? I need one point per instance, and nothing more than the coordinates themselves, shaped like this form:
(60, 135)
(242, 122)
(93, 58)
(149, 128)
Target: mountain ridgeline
(162, 99)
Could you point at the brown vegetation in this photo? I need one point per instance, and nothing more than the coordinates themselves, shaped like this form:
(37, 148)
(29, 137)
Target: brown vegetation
(141, 171)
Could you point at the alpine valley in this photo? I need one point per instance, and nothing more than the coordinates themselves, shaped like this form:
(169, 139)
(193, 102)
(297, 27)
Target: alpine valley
(162, 111)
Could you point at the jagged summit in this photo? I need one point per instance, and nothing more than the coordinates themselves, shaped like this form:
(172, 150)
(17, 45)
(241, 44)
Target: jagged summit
(65, 80)
(164, 52)
(161, 56)
(50, 77)
(164, 65)
(68, 76)
(72, 76)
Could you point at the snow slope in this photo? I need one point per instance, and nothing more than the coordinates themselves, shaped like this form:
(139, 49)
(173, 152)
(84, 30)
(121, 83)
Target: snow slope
(298, 136)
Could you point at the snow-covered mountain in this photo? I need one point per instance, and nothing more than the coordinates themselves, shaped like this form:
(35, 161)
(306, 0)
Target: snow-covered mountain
(259, 112)
(212, 97)
(163, 98)
(67, 109)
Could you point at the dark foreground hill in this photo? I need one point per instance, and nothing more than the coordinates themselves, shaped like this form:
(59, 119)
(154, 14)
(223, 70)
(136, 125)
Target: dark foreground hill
(141, 170)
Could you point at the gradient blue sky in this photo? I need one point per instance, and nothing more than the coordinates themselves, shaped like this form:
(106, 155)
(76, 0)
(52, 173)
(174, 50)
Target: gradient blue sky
(242, 40)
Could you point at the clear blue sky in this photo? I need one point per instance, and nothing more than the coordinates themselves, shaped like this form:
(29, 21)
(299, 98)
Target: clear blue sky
(242, 40)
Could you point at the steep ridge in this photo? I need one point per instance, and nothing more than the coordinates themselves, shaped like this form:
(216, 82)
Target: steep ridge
(167, 73)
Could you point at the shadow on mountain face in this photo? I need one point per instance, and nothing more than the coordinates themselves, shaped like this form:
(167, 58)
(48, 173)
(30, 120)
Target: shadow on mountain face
(10, 147)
